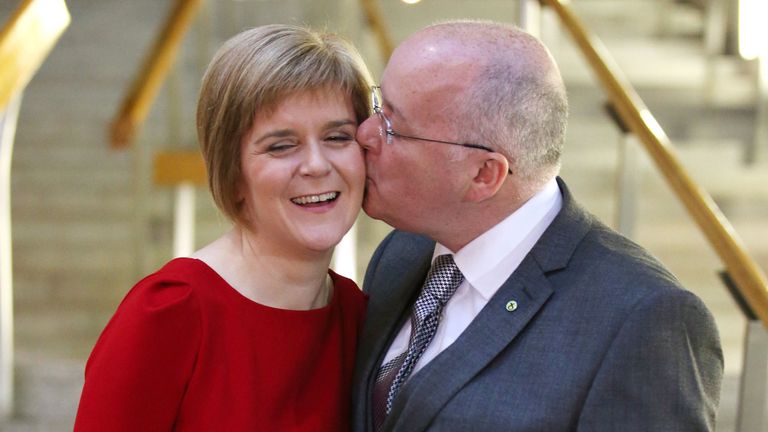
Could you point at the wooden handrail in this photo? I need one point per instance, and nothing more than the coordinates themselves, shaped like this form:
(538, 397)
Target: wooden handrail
(26, 40)
(172, 168)
(375, 20)
(138, 101)
(749, 278)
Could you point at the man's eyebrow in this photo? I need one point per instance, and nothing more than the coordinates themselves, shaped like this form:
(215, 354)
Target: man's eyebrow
(392, 108)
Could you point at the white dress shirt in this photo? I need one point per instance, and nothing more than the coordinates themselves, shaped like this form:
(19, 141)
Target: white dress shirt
(486, 263)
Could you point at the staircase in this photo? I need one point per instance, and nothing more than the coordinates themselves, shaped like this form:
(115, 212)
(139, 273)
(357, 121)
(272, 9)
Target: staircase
(73, 199)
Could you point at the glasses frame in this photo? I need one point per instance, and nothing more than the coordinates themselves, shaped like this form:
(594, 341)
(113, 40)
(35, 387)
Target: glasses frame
(390, 133)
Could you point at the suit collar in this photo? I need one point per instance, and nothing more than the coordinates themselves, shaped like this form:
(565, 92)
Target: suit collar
(488, 260)
(558, 243)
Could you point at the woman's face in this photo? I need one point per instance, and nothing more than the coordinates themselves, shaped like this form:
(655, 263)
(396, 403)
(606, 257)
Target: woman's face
(303, 172)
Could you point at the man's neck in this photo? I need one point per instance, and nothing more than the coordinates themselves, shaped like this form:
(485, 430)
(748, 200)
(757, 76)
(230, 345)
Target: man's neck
(474, 219)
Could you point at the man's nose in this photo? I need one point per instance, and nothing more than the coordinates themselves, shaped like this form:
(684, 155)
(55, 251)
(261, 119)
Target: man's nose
(369, 134)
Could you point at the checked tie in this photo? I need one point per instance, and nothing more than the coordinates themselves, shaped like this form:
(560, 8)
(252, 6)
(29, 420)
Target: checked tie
(443, 279)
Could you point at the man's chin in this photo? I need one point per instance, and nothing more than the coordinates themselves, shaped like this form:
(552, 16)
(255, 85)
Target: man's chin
(372, 207)
(369, 208)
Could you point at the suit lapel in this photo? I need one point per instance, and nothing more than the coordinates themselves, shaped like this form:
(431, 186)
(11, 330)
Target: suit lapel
(488, 334)
(397, 283)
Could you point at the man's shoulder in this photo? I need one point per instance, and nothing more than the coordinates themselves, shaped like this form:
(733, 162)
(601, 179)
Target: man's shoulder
(592, 246)
(579, 247)
(613, 250)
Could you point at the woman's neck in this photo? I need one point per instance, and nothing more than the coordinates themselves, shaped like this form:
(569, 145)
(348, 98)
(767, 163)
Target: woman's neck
(268, 273)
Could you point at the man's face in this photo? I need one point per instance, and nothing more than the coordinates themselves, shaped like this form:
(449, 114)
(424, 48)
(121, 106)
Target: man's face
(411, 182)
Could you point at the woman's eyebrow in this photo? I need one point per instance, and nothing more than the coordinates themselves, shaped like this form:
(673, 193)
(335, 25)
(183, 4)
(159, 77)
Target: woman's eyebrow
(281, 133)
(338, 123)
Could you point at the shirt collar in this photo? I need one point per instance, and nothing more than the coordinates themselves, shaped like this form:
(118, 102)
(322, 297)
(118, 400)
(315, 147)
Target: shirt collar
(487, 261)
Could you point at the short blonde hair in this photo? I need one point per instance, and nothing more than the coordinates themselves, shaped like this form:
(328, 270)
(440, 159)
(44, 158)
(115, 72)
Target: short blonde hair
(251, 73)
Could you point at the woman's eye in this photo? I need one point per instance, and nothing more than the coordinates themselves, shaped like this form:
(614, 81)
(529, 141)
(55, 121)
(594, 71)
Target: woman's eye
(280, 147)
(340, 138)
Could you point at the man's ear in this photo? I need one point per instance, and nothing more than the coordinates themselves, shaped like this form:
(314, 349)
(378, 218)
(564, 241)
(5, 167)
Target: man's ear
(488, 179)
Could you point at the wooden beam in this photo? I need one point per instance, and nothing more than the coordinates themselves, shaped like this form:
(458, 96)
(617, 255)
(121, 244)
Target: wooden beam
(25, 41)
(137, 103)
(172, 168)
(376, 20)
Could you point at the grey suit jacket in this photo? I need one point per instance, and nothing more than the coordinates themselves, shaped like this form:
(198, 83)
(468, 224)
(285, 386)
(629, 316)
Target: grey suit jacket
(603, 339)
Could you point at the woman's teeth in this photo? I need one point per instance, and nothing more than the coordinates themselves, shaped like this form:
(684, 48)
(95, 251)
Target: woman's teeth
(313, 199)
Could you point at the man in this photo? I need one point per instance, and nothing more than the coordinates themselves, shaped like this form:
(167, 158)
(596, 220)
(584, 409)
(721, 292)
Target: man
(534, 316)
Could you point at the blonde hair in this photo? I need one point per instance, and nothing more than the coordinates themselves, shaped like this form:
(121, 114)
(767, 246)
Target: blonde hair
(251, 73)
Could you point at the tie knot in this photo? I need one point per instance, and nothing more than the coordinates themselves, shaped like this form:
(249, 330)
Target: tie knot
(443, 278)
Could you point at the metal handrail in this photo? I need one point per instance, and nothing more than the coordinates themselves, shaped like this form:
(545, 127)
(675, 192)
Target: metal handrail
(137, 103)
(747, 275)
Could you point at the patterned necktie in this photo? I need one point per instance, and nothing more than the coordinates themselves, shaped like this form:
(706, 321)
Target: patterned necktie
(443, 279)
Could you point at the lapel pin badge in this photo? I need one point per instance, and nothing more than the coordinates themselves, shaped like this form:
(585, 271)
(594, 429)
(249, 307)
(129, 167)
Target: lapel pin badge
(511, 306)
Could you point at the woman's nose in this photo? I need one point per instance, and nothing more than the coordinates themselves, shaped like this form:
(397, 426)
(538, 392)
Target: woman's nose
(369, 133)
(315, 161)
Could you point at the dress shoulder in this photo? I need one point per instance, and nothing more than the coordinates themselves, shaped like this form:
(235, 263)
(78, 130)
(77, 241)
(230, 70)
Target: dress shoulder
(169, 288)
(148, 348)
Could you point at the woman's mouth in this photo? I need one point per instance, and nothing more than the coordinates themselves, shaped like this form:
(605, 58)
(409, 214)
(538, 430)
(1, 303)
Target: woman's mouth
(315, 199)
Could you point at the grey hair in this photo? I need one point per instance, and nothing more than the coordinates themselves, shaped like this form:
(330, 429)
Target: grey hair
(517, 103)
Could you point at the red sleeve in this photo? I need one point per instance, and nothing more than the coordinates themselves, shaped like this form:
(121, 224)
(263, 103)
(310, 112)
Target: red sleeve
(137, 373)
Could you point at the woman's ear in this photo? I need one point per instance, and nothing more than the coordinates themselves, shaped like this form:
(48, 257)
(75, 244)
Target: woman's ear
(240, 194)
(488, 179)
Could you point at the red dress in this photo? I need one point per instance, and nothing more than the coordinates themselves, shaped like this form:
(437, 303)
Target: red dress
(186, 352)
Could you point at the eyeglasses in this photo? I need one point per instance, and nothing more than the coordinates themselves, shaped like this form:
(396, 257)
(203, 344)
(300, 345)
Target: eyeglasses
(385, 127)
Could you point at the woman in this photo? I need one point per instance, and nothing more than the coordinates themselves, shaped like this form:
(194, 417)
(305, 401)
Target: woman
(253, 332)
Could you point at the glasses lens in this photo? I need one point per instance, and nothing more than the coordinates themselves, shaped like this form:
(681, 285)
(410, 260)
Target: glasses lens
(376, 99)
(376, 106)
(382, 125)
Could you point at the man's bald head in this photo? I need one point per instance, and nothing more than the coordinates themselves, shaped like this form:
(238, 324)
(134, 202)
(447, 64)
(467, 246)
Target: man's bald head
(505, 89)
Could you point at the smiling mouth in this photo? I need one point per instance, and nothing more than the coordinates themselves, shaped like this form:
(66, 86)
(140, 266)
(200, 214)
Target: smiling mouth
(315, 199)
